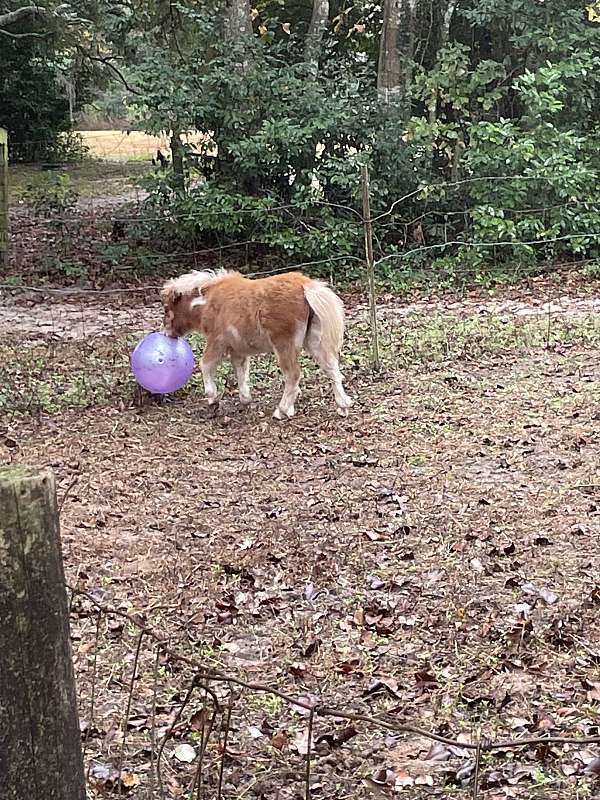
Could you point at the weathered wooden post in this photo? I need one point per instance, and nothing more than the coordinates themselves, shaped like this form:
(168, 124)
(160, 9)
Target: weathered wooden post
(40, 743)
(3, 197)
(368, 230)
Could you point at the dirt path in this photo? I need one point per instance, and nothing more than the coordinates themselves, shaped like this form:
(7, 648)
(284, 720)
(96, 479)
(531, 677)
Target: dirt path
(74, 320)
(111, 202)
(79, 316)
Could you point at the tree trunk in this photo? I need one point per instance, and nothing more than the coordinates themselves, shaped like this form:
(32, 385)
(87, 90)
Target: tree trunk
(238, 21)
(316, 31)
(459, 149)
(447, 21)
(177, 161)
(40, 742)
(396, 54)
(444, 35)
(238, 32)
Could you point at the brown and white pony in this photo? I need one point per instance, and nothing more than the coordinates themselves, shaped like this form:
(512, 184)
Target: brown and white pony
(240, 317)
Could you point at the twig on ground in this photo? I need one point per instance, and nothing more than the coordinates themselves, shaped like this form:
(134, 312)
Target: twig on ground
(128, 709)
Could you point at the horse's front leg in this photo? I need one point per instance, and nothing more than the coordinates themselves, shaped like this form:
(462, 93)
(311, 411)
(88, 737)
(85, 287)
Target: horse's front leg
(241, 365)
(210, 361)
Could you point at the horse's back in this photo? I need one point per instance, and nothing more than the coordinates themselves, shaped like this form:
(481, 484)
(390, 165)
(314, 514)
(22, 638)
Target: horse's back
(283, 307)
(260, 312)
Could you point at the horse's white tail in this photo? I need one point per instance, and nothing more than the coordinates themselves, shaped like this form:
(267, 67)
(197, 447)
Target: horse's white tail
(329, 310)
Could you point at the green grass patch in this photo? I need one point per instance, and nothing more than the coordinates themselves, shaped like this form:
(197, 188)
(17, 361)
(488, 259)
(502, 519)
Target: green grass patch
(47, 378)
(445, 338)
(89, 178)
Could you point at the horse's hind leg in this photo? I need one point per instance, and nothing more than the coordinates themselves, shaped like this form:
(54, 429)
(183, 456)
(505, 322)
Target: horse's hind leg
(329, 363)
(287, 356)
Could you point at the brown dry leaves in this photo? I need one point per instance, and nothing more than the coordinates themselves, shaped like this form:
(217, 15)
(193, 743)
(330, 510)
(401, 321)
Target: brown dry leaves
(434, 558)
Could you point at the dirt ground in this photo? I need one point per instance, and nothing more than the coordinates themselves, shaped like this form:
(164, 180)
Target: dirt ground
(433, 557)
(68, 313)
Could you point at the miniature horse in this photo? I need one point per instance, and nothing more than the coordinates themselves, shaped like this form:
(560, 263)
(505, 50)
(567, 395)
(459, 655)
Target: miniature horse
(240, 317)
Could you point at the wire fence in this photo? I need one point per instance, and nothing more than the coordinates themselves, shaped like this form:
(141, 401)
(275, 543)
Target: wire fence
(116, 226)
(111, 247)
(117, 237)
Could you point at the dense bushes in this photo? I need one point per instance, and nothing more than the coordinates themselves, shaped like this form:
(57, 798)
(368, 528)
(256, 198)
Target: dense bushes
(488, 135)
(33, 107)
(492, 153)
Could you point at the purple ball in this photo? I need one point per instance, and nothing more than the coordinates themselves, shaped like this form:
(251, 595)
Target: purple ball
(162, 364)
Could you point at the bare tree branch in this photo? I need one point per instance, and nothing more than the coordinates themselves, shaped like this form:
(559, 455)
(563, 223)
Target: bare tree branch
(32, 13)
(31, 35)
(107, 63)
(385, 721)
(21, 14)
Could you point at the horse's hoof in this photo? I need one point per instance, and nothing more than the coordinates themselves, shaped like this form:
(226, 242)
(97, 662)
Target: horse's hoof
(343, 412)
(279, 414)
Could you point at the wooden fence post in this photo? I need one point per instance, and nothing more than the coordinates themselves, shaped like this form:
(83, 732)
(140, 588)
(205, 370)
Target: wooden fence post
(3, 197)
(40, 742)
(368, 230)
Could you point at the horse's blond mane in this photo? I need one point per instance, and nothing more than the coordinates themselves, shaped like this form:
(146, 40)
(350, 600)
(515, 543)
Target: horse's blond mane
(191, 283)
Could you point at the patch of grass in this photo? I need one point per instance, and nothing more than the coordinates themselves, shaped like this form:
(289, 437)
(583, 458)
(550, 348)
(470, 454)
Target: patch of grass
(89, 178)
(446, 338)
(455, 272)
(43, 378)
(123, 146)
(272, 704)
